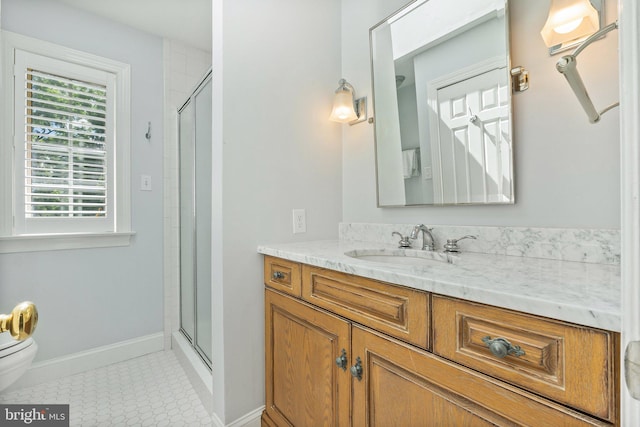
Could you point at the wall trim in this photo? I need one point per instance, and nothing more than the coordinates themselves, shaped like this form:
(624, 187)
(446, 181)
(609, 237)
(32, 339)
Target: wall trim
(252, 419)
(629, 57)
(48, 370)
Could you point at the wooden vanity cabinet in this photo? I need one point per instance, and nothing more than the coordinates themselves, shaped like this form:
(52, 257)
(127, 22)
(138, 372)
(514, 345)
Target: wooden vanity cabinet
(404, 386)
(571, 364)
(282, 275)
(397, 311)
(391, 377)
(304, 387)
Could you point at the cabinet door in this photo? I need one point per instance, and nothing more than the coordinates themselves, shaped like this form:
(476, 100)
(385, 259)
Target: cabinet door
(407, 387)
(305, 387)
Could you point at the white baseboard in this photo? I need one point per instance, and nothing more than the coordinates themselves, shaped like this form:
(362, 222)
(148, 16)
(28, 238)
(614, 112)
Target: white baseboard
(252, 419)
(41, 372)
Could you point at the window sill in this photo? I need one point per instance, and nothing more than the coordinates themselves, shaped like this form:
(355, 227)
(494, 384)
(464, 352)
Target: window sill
(54, 242)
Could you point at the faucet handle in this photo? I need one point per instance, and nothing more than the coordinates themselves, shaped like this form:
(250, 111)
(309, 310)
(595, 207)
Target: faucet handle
(404, 240)
(452, 244)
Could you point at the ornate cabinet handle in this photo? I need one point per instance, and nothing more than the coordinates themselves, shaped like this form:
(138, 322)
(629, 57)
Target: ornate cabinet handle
(500, 347)
(277, 275)
(356, 370)
(341, 360)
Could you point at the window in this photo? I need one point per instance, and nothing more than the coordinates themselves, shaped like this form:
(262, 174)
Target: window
(63, 145)
(70, 145)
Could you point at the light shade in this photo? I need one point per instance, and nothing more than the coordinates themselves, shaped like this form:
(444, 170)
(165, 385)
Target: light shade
(347, 109)
(569, 20)
(343, 110)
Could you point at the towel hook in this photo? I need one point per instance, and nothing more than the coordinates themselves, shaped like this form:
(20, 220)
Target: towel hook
(148, 134)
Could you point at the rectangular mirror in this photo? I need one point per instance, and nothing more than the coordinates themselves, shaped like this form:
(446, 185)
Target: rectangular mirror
(442, 104)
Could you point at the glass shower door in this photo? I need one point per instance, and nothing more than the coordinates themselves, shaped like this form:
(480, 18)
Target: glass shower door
(203, 219)
(195, 219)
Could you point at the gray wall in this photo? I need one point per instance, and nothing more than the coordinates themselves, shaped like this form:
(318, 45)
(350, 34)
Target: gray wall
(276, 64)
(93, 297)
(566, 170)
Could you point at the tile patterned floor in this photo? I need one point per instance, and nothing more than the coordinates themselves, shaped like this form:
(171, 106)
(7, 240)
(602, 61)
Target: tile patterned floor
(151, 390)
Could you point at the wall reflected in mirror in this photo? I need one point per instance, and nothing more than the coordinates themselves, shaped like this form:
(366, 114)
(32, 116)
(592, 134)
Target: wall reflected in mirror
(442, 104)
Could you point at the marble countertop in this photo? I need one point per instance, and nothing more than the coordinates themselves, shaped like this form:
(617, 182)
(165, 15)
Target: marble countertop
(581, 293)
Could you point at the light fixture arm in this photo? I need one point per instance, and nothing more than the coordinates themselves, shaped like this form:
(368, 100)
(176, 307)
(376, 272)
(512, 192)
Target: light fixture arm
(601, 32)
(567, 66)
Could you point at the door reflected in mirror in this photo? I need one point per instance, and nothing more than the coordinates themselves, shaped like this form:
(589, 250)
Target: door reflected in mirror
(442, 104)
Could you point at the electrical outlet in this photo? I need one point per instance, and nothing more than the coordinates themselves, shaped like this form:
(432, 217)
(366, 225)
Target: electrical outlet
(299, 221)
(427, 172)
(145, 183)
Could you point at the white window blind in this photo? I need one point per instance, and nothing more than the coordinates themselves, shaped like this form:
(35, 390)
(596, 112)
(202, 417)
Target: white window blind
(65, 154)
(64, 146)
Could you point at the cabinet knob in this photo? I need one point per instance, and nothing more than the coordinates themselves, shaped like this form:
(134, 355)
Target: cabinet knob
(341, 360)
(500, 347)
(356, 370)
(277, 275)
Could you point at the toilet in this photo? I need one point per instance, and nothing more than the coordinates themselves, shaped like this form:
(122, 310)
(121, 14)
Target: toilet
(15, 358)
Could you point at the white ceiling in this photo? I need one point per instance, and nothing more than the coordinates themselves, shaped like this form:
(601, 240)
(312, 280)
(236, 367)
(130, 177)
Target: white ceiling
(188, 21)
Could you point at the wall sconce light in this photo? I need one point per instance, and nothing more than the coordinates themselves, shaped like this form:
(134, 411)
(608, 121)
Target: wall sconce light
(345, 108)
(571, 21)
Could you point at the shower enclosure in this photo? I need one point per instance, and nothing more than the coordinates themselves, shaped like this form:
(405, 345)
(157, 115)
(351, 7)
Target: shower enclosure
(195, 219)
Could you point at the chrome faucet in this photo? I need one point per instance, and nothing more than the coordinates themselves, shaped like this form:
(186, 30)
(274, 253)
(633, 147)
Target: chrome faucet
(426, 232)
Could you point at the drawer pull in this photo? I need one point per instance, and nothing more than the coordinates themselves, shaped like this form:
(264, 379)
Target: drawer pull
(500, 347)
(356, 370)
(341, 361)
(277, 275)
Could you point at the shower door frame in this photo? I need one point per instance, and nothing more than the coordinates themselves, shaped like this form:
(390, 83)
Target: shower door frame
(193, 341)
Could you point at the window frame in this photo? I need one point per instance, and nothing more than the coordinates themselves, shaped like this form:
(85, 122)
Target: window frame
(120, 235)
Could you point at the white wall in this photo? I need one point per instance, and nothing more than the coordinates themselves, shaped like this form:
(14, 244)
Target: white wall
(94, 297)
(276, 64)
(566, 170)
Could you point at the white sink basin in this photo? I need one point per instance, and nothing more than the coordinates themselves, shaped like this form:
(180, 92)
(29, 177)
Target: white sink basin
(402, 256)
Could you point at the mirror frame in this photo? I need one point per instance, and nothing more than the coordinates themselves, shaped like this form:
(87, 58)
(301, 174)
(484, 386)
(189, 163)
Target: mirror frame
(413, 4)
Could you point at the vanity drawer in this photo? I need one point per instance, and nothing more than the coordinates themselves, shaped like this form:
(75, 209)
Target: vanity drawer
(570, 364)
(282, 275)
(395, 310)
